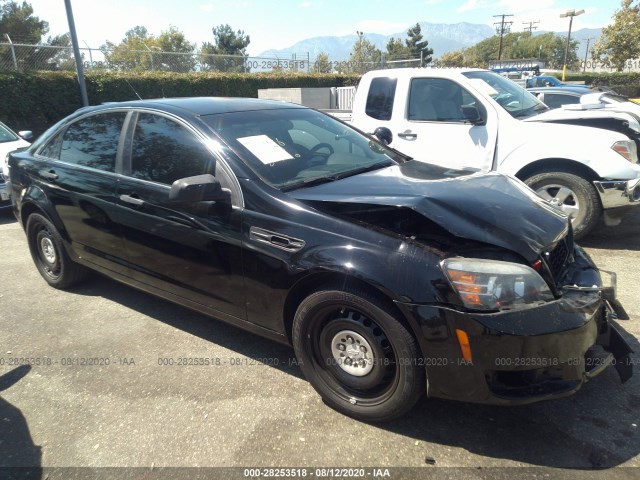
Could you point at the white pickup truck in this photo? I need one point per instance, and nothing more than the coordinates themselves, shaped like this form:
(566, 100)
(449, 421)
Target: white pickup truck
(471, 118)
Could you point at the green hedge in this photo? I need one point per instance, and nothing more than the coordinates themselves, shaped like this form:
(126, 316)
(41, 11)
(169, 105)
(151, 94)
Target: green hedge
(35, 101)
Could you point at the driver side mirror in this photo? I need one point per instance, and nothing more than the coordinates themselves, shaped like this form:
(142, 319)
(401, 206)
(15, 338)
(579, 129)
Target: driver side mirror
(472, 115)
(200, 193)
(384, 135)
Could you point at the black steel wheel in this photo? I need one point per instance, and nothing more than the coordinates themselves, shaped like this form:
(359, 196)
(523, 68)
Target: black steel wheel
(49, 256)
(357, 355)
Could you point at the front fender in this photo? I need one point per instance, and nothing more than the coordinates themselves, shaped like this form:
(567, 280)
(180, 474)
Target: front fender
(590, 147)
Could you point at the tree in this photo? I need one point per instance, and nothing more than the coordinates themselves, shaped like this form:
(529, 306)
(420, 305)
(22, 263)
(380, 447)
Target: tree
(173, 41)
(227, 44)
(451, 59)
(364, 56)
(417, 47)
(140, 51)
(396, 50)
(619, 41)
(133, 53)
(322, 63)
(547, 47)
(18, 22)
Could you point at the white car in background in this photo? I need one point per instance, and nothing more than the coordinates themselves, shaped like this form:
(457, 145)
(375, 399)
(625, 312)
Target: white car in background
(9, 141)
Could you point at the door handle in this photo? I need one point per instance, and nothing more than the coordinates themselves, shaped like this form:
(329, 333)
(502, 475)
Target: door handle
(50, 175)
(408, 135)
(132, 199)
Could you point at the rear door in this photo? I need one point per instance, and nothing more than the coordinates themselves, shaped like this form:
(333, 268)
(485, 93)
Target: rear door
(169, 248)
(77, 168)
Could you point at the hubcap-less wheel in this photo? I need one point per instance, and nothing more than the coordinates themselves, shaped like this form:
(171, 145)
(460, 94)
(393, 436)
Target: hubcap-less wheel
(357, 354)
(47, 253)
(561, 197)
(48, 250)
(352, 353)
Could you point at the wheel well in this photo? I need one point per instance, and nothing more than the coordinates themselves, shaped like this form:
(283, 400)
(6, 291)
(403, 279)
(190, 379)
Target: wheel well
(334, 280)
(27, 210)
(557, 165)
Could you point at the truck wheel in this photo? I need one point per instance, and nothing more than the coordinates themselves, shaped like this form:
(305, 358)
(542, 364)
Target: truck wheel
(49, 255)
(357, 355)
(574, 195)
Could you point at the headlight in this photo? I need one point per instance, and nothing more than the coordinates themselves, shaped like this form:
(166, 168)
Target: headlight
(495, 285)
(626, 148)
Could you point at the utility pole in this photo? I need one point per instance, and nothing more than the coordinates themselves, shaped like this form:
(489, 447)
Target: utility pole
(531, 27)
(76, 54)
(586, 54)
(505, 27)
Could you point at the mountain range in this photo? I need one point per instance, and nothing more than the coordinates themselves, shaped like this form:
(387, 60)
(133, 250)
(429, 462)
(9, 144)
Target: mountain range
(442, 38)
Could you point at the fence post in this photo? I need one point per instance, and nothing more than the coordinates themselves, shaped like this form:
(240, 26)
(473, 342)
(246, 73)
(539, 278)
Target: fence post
(13, 52)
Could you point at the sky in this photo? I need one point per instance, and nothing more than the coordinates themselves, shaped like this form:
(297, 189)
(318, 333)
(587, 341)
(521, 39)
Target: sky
(276, 24)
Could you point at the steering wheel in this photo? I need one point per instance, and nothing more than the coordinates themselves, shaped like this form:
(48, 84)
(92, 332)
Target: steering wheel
(316, 158)
(314, 150)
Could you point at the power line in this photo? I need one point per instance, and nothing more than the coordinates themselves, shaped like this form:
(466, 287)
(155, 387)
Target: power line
(531, 27)
(505, 27)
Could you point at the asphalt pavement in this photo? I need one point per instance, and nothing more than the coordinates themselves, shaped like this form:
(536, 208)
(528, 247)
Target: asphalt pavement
(106, 376)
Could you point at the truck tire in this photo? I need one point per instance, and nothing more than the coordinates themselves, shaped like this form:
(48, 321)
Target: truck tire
(357, 355)
(573, 195)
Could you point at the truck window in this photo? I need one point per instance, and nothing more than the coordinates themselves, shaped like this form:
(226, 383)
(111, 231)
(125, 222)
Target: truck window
(437, 100)
(380, 99)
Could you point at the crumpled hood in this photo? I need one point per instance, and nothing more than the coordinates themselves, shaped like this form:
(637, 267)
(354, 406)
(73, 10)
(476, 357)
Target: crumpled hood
(490, 208)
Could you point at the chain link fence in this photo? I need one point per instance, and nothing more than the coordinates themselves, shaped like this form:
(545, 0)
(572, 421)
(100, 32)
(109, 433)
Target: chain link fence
(22, 57)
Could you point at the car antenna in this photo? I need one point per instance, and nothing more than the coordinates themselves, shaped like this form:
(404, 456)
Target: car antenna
(134, 90)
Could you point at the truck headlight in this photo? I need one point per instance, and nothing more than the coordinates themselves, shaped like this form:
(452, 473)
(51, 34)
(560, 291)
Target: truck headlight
(495, 285)
(626, 148)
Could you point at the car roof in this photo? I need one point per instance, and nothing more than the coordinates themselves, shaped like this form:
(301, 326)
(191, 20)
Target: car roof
(198, 106)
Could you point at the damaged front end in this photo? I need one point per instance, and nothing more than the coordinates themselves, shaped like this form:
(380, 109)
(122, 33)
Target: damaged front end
(507, 309)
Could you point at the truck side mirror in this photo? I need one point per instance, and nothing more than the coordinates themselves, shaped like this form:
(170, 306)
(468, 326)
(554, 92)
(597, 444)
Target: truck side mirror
(472, 115)
(26, 134)
(384, 135)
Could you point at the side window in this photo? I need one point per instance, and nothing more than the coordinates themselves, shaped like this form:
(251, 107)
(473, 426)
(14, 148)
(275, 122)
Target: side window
(52, 148)
(90, 142)
(164, 151)
(554, 100)
(437, 99)
(380, 98)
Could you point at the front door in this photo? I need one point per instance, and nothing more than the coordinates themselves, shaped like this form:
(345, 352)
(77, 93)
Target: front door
(196, 256)
(434, 129)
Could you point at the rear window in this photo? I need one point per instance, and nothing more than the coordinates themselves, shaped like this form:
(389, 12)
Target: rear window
(380, 98)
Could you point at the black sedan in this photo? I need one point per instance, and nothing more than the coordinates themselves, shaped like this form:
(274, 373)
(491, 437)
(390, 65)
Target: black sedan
(390, 277)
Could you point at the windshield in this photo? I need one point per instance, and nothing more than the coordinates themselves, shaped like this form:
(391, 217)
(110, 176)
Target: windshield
(510, 96)
(294, 147)
(7, 135)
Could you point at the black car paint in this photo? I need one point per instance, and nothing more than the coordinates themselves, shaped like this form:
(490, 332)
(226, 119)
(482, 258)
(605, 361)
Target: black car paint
(226, 266)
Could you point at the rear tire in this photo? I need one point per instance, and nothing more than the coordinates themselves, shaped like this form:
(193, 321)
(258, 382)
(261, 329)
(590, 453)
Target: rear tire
(49, 255)
(357, 355)
(573, 195)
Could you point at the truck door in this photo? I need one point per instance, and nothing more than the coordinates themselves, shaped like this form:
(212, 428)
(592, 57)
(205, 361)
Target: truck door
(433, 128)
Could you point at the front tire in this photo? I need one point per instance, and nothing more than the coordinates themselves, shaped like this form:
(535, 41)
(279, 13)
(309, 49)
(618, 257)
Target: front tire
(360, 359)
(49, 255)
(573, 195)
